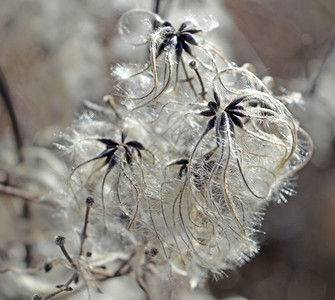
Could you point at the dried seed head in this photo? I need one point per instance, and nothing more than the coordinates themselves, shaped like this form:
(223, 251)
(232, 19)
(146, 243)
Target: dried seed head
(238, 160)
(60, 240)
(90, 201)
(151, 252)
(193, 64)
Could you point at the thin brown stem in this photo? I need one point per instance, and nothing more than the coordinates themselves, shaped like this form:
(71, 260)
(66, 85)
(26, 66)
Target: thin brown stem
(73, 278)
(4, 270)
(193, 66)
(53, 294)
(26, 214)
(124, 269)
(188, 78)
(83, 237)
(156, 7)
(16, 192)
(108, 274)
(63, 287)
(7, 99)
(143, 286)
(60, 241)
(68, 257)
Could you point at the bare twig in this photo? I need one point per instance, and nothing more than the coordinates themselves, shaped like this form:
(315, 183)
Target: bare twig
(55, 293)
(188, 78)
(143, 286)
(156, 7)
(4, 270)
(17, 192)
(7, 188)
(193, 66)
(63, 287)
(4, 91)
(83, 237)
(26, 214)
(60, 241)
(108, 274)
(101, 274)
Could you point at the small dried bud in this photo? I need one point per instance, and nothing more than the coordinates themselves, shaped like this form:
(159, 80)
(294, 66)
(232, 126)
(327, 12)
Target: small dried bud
(90, 201)
(37, 297)
(193, 64)
(47, 267)
(60, 240)
(152, 252)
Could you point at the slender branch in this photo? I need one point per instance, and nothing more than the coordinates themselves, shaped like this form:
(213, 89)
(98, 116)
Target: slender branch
(54, 294)
(188, 78)
(5, 93)
(124, 269)
(16, 192)
(4, 270)
(143, 286)
(63, 287)
(7, 99)
(26, 214)
(89, 203)
(108, 274)
(156, 7)
(73, 278)
(193, 66)
(60, 241)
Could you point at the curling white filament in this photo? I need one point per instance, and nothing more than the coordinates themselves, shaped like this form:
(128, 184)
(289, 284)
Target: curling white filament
(208, 147)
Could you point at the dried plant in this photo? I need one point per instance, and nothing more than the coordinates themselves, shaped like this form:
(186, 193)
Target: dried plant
(211, 164)
(181, 168)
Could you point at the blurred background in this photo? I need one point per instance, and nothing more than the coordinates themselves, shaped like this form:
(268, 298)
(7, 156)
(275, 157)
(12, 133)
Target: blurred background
(54, 54)
(293, 40)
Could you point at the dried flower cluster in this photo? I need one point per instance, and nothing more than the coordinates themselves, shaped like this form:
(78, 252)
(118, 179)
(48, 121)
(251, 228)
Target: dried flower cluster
(177, 167)
(191, 156)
